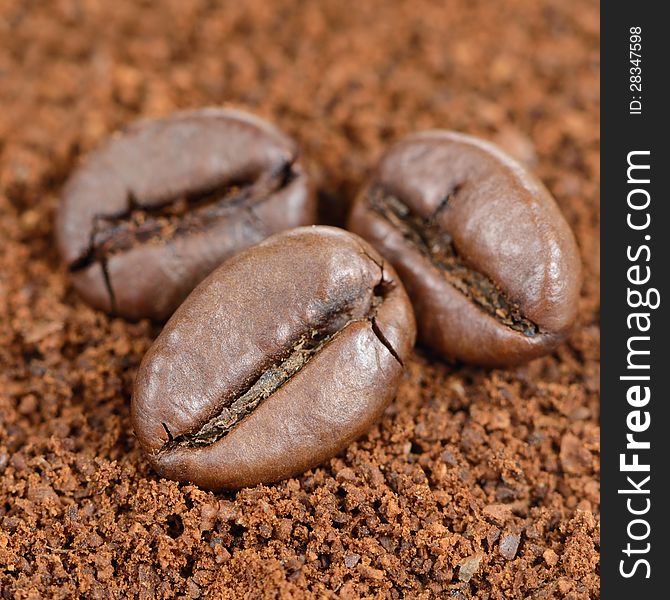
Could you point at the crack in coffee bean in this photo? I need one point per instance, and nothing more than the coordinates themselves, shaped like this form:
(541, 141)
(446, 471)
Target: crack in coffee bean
(268, 383)
(278, 374)
(438, 247)
(183, 214)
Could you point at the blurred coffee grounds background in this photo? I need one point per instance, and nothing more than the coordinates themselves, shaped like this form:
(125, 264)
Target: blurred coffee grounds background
(476, 484)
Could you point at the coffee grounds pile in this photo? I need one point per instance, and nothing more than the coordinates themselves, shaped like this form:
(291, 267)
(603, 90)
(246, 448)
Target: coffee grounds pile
(475, 484)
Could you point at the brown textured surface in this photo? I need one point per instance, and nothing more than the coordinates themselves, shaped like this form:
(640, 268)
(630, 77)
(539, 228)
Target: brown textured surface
(491, 475)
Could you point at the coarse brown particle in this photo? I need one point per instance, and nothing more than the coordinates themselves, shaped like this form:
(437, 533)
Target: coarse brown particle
(81, 514)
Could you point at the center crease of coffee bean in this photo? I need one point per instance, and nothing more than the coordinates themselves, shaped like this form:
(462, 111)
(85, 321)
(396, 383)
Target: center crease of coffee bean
(185, 213)
(438, 247)
(275, 376)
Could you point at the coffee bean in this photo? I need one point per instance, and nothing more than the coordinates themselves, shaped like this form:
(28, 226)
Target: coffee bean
(165, 201)
(277, 361)
(490, 263)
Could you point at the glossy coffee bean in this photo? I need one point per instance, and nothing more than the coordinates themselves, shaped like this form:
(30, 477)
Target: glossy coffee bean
(490, 263)
(165, 201)
(277, 361)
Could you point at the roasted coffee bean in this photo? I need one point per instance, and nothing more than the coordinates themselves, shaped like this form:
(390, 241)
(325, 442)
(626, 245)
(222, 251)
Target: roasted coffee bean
(164, 202)
(278, 360)
(487, 258)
